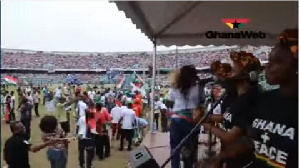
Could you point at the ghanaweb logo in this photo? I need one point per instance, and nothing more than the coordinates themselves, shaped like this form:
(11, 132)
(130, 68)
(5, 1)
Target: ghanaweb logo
(235, 24)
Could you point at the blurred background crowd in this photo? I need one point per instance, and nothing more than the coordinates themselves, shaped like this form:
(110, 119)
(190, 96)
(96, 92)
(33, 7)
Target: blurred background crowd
(37, 60)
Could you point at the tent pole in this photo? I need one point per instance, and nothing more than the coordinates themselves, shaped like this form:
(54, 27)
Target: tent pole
(176, 57)
(153, 86)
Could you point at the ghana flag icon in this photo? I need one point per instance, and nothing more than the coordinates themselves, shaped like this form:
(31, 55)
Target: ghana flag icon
(235, 23)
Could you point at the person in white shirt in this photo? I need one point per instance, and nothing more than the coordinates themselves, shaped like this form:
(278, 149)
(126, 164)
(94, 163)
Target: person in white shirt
(112, 94)
(128, 122)
(81, 107)
(92, 94)
(85, 142)
(12, 106)
(156, 112)
(163, 112)
(36, 100)
(28, 89)
(29, 98)
(103, 98)
(57, 94)
(116, 115)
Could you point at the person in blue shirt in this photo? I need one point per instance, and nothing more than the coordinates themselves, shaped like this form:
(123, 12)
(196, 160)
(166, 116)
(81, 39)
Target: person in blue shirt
(46, 95)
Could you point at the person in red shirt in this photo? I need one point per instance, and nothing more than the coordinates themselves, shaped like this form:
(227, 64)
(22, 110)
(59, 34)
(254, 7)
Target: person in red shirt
(92, 114)
(139, 98)
(7, 109)
(136, 107)
(102, 139)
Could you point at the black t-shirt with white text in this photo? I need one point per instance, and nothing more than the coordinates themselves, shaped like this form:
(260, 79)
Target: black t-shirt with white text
(274, 129)
(233, 105)
(226, 111)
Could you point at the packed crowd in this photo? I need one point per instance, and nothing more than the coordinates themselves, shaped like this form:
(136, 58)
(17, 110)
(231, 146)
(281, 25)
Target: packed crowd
(100, 113)
(54, 78)
(43, 60)
(48, 78)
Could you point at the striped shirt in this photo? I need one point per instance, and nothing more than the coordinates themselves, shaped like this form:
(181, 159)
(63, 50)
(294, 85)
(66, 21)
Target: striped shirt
(58, 133)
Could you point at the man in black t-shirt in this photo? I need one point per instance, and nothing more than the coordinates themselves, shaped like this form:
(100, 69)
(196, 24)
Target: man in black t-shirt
(25, 116)
(16, 147)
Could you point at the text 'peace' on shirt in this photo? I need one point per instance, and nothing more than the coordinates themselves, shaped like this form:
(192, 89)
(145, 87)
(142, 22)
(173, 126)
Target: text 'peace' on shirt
(274, 128)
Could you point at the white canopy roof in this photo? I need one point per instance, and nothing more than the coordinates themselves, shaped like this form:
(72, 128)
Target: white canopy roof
(186, 23)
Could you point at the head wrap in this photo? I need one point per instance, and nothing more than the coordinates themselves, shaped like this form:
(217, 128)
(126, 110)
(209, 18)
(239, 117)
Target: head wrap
(247, 61)
(222, 70)
(290, 38)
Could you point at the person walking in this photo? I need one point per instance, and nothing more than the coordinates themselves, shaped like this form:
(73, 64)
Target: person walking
(116, 115)
(25, 117)
(86, 140)
(12, 106)
(36, 101)
(102, 139)
(128, 123)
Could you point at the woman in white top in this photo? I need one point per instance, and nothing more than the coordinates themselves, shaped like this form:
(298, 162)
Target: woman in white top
(185, 96)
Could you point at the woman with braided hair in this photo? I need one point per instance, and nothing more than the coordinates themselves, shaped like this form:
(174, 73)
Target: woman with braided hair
(273, 119)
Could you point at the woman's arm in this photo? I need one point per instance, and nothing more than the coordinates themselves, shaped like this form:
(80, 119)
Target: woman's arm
(37, 148)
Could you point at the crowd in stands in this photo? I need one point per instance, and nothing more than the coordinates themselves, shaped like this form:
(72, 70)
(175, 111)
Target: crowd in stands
(49, 61)
(54, 78)
(42, 78)
(44, 60)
